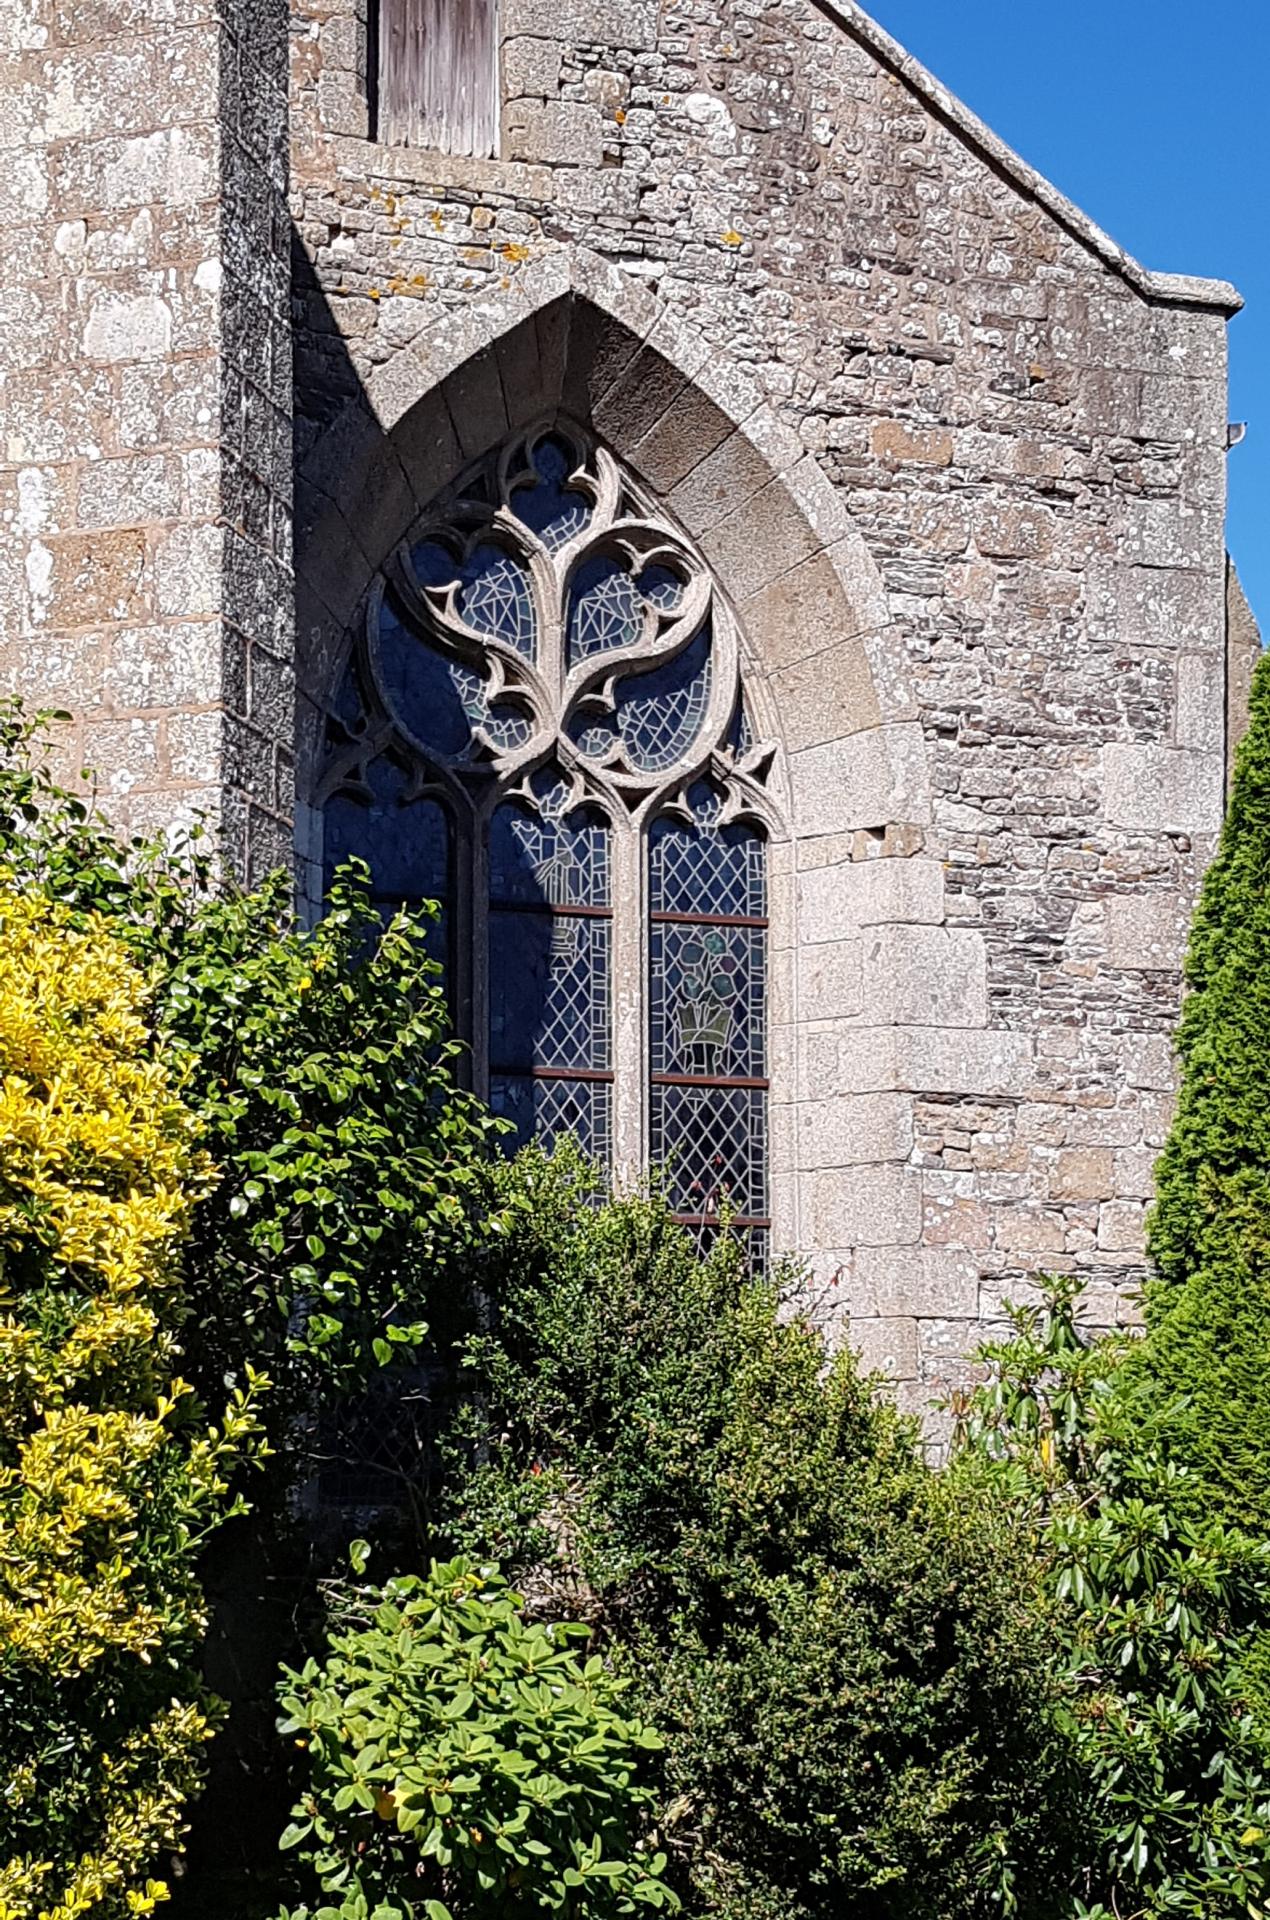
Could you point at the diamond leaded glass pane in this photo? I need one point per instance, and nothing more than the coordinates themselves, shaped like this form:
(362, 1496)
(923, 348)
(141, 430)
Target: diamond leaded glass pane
(549, 991)
(707, 869)
(711, 1143)
(550, 973)
(554, 1110)
(707, 1012)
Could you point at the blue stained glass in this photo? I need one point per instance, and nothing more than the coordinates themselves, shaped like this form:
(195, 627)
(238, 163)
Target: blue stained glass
(708, 999)
(435, 698)
(661, 588)
(740, 734)
(707, 869)
(406, 844)
(434, 564)
(507, 726)
(548, 863)
(556, 513)
(593, 734)
(496, 598)
(441, 701)
(553, 1110)
(605, 609)
(660, 713)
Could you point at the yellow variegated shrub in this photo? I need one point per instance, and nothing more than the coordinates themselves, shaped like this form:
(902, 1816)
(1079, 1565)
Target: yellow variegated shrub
(109, 1481)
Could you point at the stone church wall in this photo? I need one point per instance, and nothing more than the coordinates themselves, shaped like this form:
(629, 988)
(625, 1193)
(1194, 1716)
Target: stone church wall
(145, 364)
(958, 463)
(1005, 756)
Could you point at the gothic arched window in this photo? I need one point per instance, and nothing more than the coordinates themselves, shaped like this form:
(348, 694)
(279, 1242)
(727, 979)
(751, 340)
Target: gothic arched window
(542, 726)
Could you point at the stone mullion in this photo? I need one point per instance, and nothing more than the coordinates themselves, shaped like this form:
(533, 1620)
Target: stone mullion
(474, 927)
(630, 1006)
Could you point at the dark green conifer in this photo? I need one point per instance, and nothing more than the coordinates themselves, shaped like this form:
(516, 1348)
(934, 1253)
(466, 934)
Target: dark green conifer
(1208, 1304)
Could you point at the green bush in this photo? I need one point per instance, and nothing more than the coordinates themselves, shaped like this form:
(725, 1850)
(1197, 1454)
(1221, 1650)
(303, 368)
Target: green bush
(110, 1480)
(1208, 1308)
(1154, 1618)
(831, 1637)
(462, 1762)
(354, 1184)
(355, 1187)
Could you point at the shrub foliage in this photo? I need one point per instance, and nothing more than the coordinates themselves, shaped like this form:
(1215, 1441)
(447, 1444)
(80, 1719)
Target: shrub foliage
(463, 1759)
(1208, 1308)
(829, 1635)
(353, 1172)
(1154, 1614)
(109, 1481)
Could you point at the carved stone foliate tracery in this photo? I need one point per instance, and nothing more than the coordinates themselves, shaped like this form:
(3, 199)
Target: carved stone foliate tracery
(543, 712)
(572, 623)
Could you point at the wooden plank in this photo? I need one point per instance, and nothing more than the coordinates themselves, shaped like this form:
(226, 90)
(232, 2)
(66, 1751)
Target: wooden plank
(438, 75)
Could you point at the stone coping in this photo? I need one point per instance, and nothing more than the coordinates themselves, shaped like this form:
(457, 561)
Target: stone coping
(1172, 289)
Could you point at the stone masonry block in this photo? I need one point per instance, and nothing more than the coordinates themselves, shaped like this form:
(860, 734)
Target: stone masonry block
(1122, 1227)
(878, 1206)
(801, 613)
(555, 132)
(855, 1130)
(96, 577)
(926, 1282)
(834, 900)
(933, 1060)
(627, 24)
(827, 697)
(1146, 931)
(869, 780)
(1083, 1173)
(531, 66)
(1201, 702)
(887, 1347)
(761, 540)
(920, 976)
(1162, 789)
(830, 981)
(1149, 1060)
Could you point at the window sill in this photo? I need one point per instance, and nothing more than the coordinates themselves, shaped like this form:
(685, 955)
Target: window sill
(423, 167)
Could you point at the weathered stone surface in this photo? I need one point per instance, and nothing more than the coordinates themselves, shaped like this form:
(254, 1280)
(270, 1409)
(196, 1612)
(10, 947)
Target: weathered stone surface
(145, 313)
(960, 478)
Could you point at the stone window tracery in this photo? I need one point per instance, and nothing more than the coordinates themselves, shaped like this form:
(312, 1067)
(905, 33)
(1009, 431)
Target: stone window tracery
(542, 726)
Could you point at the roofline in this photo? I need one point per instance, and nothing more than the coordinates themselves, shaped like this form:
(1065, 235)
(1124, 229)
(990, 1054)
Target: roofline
(1169, 289)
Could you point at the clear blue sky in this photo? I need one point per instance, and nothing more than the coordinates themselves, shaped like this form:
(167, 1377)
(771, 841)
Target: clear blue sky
(1154, 117)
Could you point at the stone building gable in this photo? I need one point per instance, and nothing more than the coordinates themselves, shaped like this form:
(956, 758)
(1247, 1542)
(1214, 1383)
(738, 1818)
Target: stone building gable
(955, 461)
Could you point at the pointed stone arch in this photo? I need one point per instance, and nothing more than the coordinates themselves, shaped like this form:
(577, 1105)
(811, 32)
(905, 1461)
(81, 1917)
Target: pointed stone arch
(824, 662)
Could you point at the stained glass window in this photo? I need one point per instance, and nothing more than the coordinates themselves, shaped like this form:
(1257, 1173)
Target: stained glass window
(550, 956)
(542, 726)
(707, 1016)
(407, 844)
